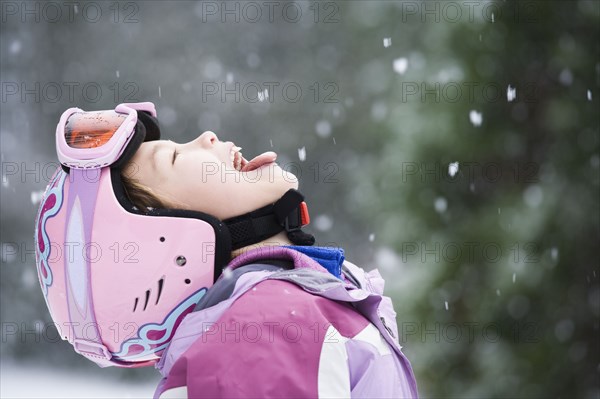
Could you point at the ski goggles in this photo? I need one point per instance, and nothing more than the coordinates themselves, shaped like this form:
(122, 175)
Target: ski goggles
(88, 140)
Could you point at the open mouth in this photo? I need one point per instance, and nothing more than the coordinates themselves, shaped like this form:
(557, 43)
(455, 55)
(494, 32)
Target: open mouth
(241, 164)
(237, 159)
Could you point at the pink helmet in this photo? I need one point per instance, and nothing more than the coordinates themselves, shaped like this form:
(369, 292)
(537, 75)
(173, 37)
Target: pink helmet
(118, 281)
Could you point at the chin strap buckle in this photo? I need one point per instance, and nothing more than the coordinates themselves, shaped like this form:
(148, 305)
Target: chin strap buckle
(297, 218)
(289, 213)
(292, 213)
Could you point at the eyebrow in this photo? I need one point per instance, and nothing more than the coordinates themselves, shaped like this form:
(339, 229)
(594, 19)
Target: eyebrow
(155, 150)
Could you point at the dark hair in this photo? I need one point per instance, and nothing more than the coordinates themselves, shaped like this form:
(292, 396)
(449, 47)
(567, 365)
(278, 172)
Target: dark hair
(139, 195)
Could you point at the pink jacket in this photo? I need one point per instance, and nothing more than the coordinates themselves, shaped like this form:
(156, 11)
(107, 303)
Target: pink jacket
(290, 333)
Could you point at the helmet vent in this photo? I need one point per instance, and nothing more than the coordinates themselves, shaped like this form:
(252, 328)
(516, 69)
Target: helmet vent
(147, 298)
(161, 284)
(160, 288)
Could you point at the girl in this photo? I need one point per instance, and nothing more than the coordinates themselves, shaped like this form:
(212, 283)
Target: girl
(193, 259)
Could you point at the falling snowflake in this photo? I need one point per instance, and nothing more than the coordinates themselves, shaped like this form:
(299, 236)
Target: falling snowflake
(566, 77)
(323, 128)
(253, 60)
(371, 237)
(440, 204)
(554, 253)
(118, 73)
(379, 111)
(36, 196)
(15, 47)
(302, 154)
(511, 93)
(400, 65)
(453, 169)
(476, 118)
(446, 304)
(323, 223)
(589, 95)
(514, 277)
(159, 92)
(227, 273)
(263, 95)
(387, 42)
(336, 112)
(533, 196)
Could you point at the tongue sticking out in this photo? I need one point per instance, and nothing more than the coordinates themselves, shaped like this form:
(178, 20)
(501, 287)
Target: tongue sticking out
(258, 161)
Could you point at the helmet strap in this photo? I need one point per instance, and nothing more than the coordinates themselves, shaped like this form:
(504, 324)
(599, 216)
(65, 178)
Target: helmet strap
(288, 213)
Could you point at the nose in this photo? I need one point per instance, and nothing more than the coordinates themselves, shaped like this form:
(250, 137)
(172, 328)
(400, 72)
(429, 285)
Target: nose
(207, 139)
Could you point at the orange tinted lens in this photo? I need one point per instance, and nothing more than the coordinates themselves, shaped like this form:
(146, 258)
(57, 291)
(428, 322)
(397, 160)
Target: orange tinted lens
(92, 129)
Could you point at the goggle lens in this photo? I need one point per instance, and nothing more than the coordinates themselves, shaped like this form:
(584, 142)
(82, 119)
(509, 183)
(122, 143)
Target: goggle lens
(92, 129)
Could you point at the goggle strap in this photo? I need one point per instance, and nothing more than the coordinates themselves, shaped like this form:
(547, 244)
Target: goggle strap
(146, 129)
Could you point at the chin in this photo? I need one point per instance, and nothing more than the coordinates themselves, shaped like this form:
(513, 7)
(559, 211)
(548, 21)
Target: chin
(290, 181)
(287, 178)
(281, 186)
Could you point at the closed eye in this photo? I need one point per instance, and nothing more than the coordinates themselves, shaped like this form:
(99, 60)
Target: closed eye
(175, 153)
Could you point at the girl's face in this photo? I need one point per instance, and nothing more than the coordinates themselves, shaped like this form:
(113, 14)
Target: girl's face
(207, 175)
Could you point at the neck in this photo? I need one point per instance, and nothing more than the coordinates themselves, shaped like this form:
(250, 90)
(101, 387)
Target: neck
(275, 241)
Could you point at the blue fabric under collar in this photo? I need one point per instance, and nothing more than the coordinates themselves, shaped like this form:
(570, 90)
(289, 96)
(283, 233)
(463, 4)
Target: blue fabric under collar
(330, 258)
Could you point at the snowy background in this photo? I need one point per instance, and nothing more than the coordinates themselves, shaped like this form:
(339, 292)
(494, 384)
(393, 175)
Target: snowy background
(453, 145)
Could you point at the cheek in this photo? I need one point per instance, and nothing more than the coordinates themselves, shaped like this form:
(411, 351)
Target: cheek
(208, 192)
